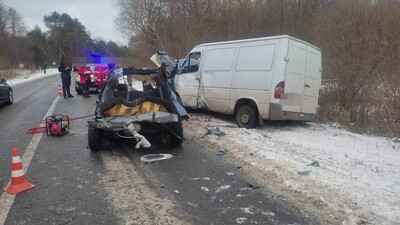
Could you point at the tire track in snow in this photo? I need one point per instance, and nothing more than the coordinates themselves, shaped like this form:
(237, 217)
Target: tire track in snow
(131, 198)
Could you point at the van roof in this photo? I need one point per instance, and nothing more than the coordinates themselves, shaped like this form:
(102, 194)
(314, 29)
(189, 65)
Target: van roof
(256, 39)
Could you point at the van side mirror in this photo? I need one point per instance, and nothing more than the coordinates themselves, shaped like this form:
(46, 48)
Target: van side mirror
(179, 65)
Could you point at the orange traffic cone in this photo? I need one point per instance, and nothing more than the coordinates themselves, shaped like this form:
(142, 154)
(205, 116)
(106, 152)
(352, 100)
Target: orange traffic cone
(18, 182)
(60, 92)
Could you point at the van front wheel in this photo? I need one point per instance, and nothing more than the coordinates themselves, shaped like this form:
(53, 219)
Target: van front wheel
(246, 117)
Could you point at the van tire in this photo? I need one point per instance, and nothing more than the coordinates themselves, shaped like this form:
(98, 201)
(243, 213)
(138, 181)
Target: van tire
(246, 116)
(95, 138)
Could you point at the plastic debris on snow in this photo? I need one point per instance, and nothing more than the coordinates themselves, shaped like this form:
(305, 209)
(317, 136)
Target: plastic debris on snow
(222, 150)
(214, 131)
(252, 186)
(304, 173)
(314, 164)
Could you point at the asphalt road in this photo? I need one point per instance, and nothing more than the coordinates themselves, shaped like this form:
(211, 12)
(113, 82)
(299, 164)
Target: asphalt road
(113, 186)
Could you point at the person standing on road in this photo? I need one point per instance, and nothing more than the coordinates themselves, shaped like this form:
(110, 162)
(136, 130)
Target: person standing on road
(65, 78)
(44, 66)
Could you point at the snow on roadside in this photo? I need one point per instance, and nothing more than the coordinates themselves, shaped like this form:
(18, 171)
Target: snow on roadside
(24, 77)
(357, 181)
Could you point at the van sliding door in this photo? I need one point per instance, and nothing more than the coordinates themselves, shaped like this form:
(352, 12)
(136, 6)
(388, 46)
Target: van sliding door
(216, 77)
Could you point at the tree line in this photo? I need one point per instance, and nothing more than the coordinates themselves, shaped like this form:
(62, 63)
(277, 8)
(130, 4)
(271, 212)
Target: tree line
(65, 36)
(359, 40)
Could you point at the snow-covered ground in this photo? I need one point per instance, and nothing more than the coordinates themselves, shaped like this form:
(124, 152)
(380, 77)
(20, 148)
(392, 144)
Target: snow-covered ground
(26, 76)
(355, 179)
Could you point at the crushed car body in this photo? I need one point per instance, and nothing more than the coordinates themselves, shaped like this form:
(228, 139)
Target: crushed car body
(127, 112)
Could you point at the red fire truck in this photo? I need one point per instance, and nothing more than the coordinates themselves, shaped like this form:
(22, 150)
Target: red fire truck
(96, 75)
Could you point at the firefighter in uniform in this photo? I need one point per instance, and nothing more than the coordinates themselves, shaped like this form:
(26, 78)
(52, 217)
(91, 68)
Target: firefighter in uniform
(84, 79)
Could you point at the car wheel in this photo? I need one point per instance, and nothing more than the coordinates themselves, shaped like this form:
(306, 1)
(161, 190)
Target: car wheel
(246, 117)
(95, 138)
(10, 97)
(176, 134)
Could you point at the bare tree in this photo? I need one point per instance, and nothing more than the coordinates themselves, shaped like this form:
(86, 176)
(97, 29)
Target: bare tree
(3, 18)
(359, 39)
(15, 23)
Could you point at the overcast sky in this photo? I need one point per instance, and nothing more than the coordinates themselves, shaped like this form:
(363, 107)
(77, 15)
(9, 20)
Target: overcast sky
(96, 15)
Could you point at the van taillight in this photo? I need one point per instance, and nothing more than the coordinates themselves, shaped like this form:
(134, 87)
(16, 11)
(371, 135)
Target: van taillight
(279, 89)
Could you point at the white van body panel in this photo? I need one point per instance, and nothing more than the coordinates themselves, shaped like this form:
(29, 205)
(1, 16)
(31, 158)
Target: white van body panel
(250, 69)
(216, 78)
(190, 84)
(189, 94)
(253, 74)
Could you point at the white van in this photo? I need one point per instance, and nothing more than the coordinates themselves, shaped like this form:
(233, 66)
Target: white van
(270, 78)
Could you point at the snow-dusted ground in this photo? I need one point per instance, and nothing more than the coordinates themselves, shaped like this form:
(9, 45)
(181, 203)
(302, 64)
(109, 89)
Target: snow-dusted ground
(26, 76)
(357, 181)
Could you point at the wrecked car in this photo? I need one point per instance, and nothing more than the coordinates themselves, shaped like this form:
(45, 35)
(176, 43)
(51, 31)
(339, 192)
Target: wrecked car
(127, 112)
(6, 93)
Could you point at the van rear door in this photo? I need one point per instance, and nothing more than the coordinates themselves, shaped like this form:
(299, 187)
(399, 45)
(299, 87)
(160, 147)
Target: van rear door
(303, 78)
(295, 77)
(312, 82)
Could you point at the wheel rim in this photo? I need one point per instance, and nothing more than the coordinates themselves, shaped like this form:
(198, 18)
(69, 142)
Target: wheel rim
(245, 117)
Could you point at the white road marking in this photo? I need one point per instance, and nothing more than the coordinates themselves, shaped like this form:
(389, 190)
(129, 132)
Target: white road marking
(6, 199)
